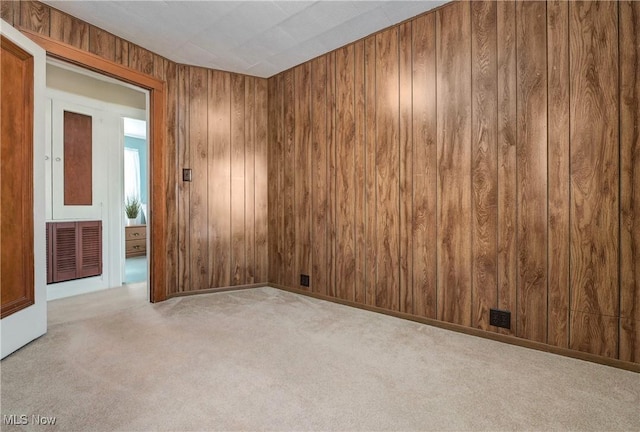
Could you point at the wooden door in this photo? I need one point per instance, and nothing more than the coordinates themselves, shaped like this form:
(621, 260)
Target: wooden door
(16, 171)
(23, 304)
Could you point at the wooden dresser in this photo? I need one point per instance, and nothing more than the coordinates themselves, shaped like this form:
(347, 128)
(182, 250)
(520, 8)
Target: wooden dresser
(135, 240)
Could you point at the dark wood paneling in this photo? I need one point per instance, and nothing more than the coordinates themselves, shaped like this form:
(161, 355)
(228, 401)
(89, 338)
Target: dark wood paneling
(359, 171)
(249, 179)
(460, 199)
(10, 11)
(261, 182)
(78, 159)
(531, 153)
(274, 106)
(69, 30)
(184, 161)
(387, 164)
(558, 171)
(630, 181)
(319, 159)
(16, 187)
(289, 235)
(160, 67)
(276, 209)
(102, 43)
(371, 215)
(35, 16)
(507, 258)
(345, 178)
(122, 52)
(303, 171)
(198, 190)
(140, 59)
(454, 163)
(331, 173)
(594, 177)
(219, 138)
(238, 250)
(484, 169)
(172, 178)
(406, 168)
(424, 166)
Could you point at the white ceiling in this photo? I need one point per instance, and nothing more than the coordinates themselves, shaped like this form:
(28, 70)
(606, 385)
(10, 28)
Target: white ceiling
(258, 38)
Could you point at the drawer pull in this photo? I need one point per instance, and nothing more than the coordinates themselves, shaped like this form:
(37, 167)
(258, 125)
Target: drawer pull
(136, 247)
(136, 234)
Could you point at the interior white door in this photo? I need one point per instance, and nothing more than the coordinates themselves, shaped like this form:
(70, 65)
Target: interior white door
(98, 171)
(20, 328)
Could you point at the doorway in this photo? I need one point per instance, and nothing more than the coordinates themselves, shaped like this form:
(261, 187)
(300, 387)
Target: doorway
(157, 223)
(106, 102)
(136, 199)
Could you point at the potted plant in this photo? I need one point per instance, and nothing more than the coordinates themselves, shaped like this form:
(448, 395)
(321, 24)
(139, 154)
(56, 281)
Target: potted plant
(132, 209)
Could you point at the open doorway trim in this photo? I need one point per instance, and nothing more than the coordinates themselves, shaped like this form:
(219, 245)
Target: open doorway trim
(157, 119)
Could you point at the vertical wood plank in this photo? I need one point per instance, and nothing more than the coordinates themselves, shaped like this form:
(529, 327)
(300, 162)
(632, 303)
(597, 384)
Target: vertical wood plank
(359, 172)
(122, 52)
(558, 168)
(406, 168)
(238, 251)
(10, 11)
(219, 151)
(102, 43)
(35, 16)
(331, 172)
(69, 30)
(371, 239)
(531, 149)
(278, 179)
(484, 167)
(594, 177)
(184, 161)
(302, 172)
(198, 191)
(261, 181)
(140, 59)
(630, 181)
(250, 179)
(454, 163)
(345, 180)
(272, 174)
(507, 244)
(172, 178)
(387, 180)
(159, 67)
(289, 246)
(319, 175)
(424, 166)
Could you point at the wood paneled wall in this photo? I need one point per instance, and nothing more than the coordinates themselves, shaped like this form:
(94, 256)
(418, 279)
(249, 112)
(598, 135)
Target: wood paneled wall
(484, 155)
(222, 213)
(217, 126)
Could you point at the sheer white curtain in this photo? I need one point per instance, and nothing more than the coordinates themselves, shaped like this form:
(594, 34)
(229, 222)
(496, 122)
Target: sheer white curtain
(131, 173)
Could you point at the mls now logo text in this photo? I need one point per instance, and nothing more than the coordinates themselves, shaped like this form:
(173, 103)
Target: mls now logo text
(23, 420)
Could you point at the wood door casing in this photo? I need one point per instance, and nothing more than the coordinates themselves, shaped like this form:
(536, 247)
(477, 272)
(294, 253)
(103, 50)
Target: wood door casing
(16, 184)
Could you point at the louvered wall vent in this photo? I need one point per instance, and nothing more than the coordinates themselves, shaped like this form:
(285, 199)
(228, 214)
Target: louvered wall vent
(74, 250)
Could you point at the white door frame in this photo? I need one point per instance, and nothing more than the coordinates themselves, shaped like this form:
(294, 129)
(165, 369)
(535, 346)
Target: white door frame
(20, 328)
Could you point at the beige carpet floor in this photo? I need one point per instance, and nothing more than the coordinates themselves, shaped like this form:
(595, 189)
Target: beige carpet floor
(264, 359)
